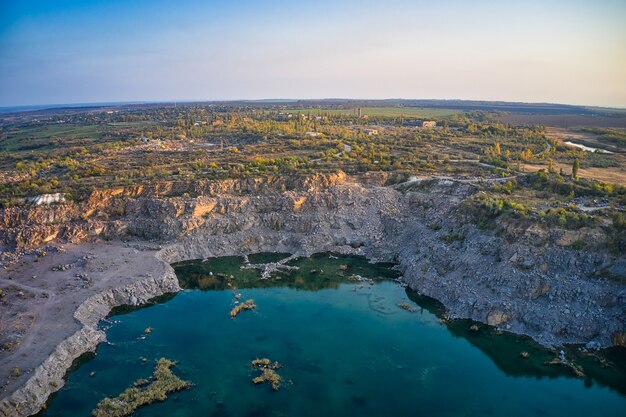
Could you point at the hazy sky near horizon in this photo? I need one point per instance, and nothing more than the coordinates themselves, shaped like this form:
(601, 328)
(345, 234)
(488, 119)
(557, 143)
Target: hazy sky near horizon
(64, 51)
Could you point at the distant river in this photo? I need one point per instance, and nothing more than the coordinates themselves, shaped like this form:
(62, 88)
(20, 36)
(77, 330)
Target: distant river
(587, 148)
(346, 347)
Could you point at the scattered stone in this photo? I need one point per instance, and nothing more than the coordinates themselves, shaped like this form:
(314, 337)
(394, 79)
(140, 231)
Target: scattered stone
(561, 361)
(61, 267)
(269, 268)
(524, 355)
(593, 345)
(474, 328)
(407, 307)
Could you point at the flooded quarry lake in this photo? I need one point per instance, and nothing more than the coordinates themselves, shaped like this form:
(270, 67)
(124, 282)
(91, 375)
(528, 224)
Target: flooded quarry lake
(343, 338)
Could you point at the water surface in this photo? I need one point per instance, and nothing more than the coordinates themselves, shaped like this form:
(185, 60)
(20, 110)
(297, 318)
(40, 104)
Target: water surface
(587, 148)
(346, 349)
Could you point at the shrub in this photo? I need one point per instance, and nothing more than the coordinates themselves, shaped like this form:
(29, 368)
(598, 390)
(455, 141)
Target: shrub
(434, 226)
(617, 234)
(453, 237)
(486, 207)
(569, 217)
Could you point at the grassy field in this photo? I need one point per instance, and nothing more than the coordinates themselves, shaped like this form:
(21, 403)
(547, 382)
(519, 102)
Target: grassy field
(563, 120)
(384, 111)
(45, 137)
(39, 136)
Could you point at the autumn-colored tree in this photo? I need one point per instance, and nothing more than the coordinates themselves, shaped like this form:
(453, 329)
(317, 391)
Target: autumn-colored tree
(496, 149)
(526, 155)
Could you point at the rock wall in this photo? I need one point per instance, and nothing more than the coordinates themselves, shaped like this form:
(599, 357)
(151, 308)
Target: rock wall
(525, 282)
(529, 284)
(25, 227)
(543, 287)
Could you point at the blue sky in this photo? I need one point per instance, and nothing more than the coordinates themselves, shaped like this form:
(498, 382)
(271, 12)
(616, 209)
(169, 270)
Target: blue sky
(95, 51)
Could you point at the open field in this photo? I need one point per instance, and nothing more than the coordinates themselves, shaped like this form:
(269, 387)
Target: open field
(43, 137)
(563, 120)
(50, 136)
(381, 111)
(612, 176)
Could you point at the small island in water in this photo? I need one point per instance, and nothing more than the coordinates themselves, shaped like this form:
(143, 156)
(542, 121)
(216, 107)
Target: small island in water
(335, 326)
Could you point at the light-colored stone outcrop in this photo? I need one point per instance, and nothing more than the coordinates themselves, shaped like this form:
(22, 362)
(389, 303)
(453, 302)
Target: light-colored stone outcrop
(49, 376)
(497, 317)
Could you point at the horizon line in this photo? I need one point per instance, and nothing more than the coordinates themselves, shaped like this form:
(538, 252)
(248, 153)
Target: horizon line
(51, 106)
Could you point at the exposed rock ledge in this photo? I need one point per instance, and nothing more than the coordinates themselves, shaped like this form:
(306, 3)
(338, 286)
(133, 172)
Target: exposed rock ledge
(526, 285)
(49, 376)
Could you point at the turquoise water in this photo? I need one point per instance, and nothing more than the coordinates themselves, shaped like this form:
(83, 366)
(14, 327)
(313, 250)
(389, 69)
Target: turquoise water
(345, 347)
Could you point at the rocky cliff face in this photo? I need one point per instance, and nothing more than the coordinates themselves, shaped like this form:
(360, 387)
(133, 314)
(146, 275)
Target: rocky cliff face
(158, 211)
(527, 282)
(530, 284)
(544, 288)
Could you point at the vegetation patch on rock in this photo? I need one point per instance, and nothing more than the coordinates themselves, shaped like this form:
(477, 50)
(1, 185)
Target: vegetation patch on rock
(268, 372)
(143, 392)
(246, 305)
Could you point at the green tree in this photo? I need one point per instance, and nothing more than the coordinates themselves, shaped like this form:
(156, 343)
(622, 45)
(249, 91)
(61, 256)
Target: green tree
(575, 168)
